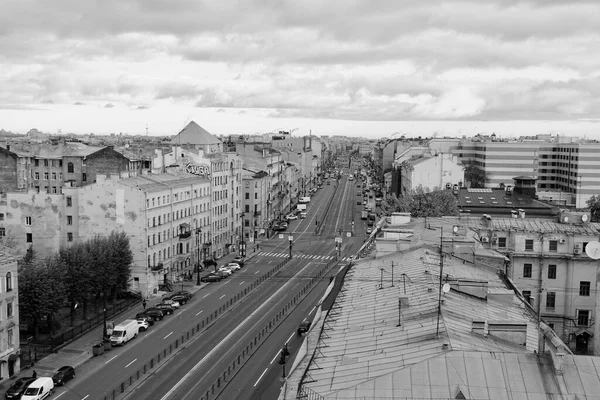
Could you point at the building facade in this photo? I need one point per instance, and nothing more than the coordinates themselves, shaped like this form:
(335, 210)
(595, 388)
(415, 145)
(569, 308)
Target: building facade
(9, 317)
(431, 171)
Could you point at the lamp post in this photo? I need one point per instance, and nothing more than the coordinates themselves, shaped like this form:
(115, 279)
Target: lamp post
(242, 242)
(198, 232)
(291, 239)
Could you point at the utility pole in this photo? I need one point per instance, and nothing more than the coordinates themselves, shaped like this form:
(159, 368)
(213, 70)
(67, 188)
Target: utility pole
(437, 328)
(381, 279)
(392, 274)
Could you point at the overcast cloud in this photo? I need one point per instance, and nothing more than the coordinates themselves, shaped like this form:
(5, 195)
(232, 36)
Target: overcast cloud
(266, 60)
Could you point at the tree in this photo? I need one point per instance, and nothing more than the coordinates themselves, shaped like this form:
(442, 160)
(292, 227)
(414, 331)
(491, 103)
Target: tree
(41, 292)
(476, 175)
(436, 203)
(77, 277)
(594, 204)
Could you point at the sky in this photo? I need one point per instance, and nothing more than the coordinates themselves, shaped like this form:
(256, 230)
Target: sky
(368, 68)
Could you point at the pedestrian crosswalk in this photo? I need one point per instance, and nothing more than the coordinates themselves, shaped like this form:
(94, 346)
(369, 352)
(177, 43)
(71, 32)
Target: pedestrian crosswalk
(314, 257)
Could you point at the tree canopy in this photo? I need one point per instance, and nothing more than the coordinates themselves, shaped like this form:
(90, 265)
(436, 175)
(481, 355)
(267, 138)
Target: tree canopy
(476, 175)
(594, 205)
(435, 203)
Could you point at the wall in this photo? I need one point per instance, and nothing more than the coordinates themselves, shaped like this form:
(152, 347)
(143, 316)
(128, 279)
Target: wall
(8, 171)
(105, 161)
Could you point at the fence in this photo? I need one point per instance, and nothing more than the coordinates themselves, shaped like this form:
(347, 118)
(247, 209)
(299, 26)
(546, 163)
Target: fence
(326, 212)
(125, 387)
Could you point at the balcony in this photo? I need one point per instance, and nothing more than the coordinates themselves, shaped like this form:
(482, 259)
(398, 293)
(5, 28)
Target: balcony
(158, 267)
(257, 213)
(185, 235)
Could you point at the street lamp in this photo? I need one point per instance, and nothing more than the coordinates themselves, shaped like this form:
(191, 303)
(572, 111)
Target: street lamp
(242, 242)
(291, 239)
(198, 232)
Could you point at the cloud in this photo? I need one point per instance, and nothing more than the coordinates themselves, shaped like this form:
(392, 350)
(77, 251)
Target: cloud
(78, 103)
(380, 60)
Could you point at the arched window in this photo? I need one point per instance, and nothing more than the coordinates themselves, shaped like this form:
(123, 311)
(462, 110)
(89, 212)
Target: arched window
(70, 168)
(8, 282)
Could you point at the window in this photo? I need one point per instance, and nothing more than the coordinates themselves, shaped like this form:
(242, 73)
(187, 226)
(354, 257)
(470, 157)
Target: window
(527, 295)
(527, 270)
(69, 236)
(550, 299)
(551, 271)
(247, 195)
(84, 177)
(29, 238)
(9, 337)
(247, 209)
(9, 309)
(1, 216)
(502, 242)
(69, 220)
(45, 176)
(69, 201)
(45, 162)
(528, 244)
(28, 221)
(584, 246)
(36, 162)
(70, 168)
(584, 288)
(553, 245)
(2, 232)
(8, 282)
(37, 175)
(583, 317)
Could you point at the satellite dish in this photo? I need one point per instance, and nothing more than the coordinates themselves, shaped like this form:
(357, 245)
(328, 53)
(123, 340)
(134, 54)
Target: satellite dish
(592, 249)
(455, 229)
(584, 218)
(446, 287)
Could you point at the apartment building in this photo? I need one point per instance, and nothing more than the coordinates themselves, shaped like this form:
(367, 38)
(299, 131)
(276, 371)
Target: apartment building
(429, 169)
(549, 265)
(9, 317)
(255, 194)
(48, 167)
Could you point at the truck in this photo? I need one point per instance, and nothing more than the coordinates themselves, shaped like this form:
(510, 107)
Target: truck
(305, 199)
(124, 332)
(301, 207)
(364, 214)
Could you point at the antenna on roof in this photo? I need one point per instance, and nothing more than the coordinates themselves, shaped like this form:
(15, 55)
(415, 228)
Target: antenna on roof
(146, 129)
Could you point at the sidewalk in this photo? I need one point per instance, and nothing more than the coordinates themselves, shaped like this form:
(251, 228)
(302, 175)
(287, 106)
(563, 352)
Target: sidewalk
(79, 351)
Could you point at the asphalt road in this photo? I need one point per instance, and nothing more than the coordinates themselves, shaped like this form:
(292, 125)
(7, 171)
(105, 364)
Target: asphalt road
(191, 373)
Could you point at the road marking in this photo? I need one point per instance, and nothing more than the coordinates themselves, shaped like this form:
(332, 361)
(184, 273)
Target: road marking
(198, 313)
(276, 355)
(168, 335)
(290, 338)
(131, 363)
(83, 398)
(225, 283)
(66, 392)
(260, 377)
(231, 334)
(205, 296)
(256, 272)
(311, 311)
(241, 283)
(111, 359)
(179, 313)
(221, 297)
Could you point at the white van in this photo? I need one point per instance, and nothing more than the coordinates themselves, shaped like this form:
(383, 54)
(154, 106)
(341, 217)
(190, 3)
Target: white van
(305, 199)
(39, 389)
(124, 332)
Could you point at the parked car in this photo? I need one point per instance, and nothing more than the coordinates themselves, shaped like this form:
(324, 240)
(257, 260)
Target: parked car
(211, 278)
(184, 293)
(234, 266)
(156, 315)
(143, 324)
(162, 311)
(359, 193)
(166, 308)
(39, 389)
(173, 303)
(18, 388)
(179, 298)
(304, 327)
(290, 217)
(239, 260)
(369, 231)
(358, 203)
(147, 319)
(63, 375)
(226, 271)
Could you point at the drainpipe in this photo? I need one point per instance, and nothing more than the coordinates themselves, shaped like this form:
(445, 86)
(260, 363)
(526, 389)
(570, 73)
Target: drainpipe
(540, 291)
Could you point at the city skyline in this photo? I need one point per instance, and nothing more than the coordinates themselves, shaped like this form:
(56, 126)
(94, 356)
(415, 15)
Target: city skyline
(352, 68)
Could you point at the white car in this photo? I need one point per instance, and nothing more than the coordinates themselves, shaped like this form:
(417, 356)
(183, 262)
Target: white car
(291, 217)
(172, 303)
(233, 266)
(142, 325)
(226, 271)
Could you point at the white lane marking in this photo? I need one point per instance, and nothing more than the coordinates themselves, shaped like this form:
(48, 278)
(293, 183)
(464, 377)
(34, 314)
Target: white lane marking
(225, 283)
(131, 363)
(241, 283)
(221, 297)
(111, 359)
(256, 272)
(179, 313)
(168, 335)
(276, 355)
(200, 312)
(227, 338)
(83, 398)
(64, 393)
(311, 311)
(205, 296)
(260, 377)
(290, 338)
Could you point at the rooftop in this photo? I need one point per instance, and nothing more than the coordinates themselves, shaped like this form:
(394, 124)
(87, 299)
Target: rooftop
(499, 199)
(52, 151)
(153, 182)
(195, 134)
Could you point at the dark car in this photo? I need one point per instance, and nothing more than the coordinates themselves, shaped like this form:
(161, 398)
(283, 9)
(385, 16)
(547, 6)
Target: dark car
(358, 203)
(211, 278)
(166, 308)
(146, 318)
(239, 260)
(164, 311)
(156, 315)
(304, 327)
(63, 375)
(17, 389)
(184, 293)
(180, 298)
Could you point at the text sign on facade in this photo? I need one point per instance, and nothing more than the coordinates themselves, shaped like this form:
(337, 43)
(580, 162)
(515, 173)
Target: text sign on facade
(197, 169)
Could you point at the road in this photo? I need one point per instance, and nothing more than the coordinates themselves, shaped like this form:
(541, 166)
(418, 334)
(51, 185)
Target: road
(192, 371)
